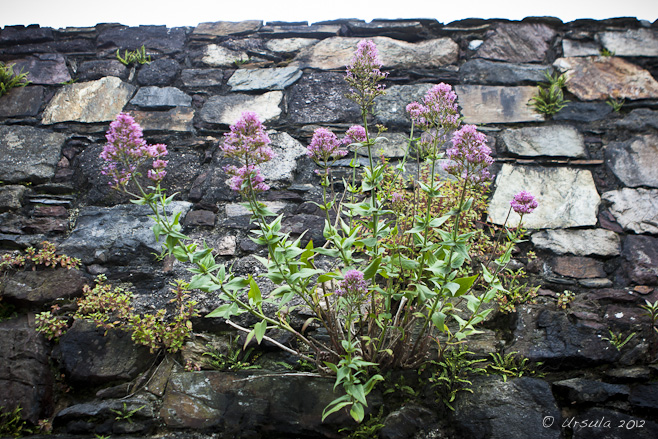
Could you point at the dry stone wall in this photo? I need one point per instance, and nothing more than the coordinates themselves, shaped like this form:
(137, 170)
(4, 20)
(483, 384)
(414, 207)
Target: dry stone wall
(593, 170)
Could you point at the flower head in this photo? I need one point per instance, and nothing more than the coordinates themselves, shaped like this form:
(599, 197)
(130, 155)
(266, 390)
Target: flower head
(246, 178)
(363, 75)
(324, 145)
(524, 202)
(469, 156)
(356, 134)
(248, 140)
(353, 284)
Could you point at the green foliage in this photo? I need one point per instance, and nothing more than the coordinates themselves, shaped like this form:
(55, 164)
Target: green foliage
(450, 375)
(618, 340)
(45, 257)
(565, 298)
(615, 103)
(515, 293)
(125, 414)
(51, 326)
(138, 56)
(235, 359)
(368, 429)
(512, 365)
(549, 98)
(651, 311)
(606, 53)
(9, 79)
(12, 424)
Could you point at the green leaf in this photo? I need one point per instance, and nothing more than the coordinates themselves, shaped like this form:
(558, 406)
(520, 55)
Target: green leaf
(438, 318)
(357, 412)
(371, 270)
(259, 330)
(226, 311)
(465, 283)
(254, 294)
(336, 405)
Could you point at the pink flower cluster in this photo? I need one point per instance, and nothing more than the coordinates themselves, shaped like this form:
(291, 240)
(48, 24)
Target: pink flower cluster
(126, 150)
(353, 284)
(364, 73)
(469, 156)
(438, 109)
(324, 147)
(248, 142)
(524, 202)
(356, 134)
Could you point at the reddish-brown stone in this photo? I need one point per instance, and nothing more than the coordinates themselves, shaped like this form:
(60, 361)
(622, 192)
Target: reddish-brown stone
(578, 267)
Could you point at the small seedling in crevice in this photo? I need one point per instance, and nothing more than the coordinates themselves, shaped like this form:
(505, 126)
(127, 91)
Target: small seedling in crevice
(618, 340)
(615, 103)
(134, 56)
(125, 414)
(549, 98)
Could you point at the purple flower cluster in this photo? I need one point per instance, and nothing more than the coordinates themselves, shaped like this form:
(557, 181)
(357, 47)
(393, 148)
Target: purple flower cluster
(356, 134)
(248, 142)
(126, 150)
(439, 108)
(353, 284)
(469, 156)
(524, 202)
(324, 147)
(364, 73)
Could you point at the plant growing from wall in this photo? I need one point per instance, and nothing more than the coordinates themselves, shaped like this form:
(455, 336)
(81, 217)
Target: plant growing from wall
(138, 56)
(9, 79)
(549, 97)
(615, 103)
(381, 304)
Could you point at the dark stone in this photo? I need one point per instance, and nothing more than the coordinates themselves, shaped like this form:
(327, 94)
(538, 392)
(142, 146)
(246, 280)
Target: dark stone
(320, 97)
(158, 38)
(600, 423)
(22, 101)
(645, 397)
(51, 211)
(641, 259)
(640, 119)
(43, 286)
(582, 390)
(407, 422)
(49, 68)
(162, 71)
(551, 337)
(506, 410)
(88, 357)
(69, 47)
(311, 225)
(29, 154)
(45, 225)
(578, 267)
(411, 31)
(202, 77)
(200, 218)
(484, 72)
(25, 376)
(514, 42)
(300, 30)
(97, 69)
(583, 112)
(24, 35)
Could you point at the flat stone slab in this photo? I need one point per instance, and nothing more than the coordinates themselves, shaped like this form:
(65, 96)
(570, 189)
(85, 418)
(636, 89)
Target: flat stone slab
(21, 101)
(219, 56)
(516, 42)
(289, 45)
(567, 197)
(11, 197)
(43, 286)
(485, 72)
(555, 140)
(28, 153)
(598, 78)
(202, 77)
(225, 28)
(319, 97)
(282, 169)
(496, 104)
(641, 259)
(237, 209)
(228, 109)
(635, 209)
(580, 48)
(88, 102)
(586, 242)
(337, 52)
(180, 119)
(46, 69)
(264, 79)
(635, 161)
(390, 109)
(161, 97)
(632, 42)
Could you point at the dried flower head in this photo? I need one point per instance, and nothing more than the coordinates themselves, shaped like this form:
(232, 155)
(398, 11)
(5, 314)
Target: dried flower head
(353, 284)
(524, 202)
(469, 156)
(324, 147)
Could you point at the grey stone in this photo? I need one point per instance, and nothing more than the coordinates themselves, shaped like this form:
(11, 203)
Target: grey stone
(579, 48)
(226, 246)
(517, 42)
(567, 197)
(160, 38)
(21, 101)
(228, 109)
(635, 160)
(588, 391)
(319, 97)
(584, 111)
(299, 30)
(97, 69)
(162, 71)
(641, 259)
(237, 209)
(281, 171)
(47, 69)
(395, 146)
(200, 218)
(178, 119)
(202, 77)
(43, 286)
(645, 396)
(25, 34)
(601, 282)
(640, 119)
(29, 154)
(407, 421)
(289, 45)
(599, 242)
(634, 209)
(11, 197)
(337, 52)
(631, 42)
(554, 140)
(165, 97)
(496, 104)
(95, 101)
(506, 410)
(264, 79)
(484, 72)
(598, 78)
(226, 28)
(24, 370)
(219, 56)
(390, 109)
(405, 30)
(115, 234)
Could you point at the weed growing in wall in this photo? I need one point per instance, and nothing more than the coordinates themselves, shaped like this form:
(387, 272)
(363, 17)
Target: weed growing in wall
(402, 282)
(549, 98)
(9, 79)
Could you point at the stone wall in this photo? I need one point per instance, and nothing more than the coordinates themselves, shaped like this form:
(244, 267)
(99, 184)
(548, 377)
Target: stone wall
(593, 169)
